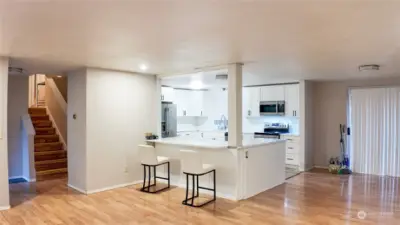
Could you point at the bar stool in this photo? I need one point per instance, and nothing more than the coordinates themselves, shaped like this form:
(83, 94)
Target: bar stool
(192, 165)
(151, 160)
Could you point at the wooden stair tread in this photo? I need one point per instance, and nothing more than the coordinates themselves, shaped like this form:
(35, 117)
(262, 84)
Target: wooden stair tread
(53, 171)
(48, 144)
(50, 161)
(50, 152)
(38, 136)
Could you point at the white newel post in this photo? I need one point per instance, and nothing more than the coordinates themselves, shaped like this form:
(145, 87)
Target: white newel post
(235, 105)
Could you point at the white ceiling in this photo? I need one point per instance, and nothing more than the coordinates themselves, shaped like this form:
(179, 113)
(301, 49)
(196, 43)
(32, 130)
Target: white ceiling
(282, 39)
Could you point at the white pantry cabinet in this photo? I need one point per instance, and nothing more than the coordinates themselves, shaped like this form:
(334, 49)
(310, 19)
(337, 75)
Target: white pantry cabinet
(251, 101)
(273, 93)
(167, 94)
(292, 106)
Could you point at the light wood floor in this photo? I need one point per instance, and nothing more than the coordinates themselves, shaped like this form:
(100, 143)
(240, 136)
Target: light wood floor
(309, 198)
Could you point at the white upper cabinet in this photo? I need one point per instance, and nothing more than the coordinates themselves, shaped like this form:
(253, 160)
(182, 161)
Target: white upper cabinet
(292, 106)
(167, 94)
(251, 101)
(195, 107)
(189, 103)
(273, 93)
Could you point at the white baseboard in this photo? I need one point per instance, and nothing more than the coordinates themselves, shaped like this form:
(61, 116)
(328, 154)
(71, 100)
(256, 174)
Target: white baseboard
(4, 207)
(29, 180)
(321, 167)
(112, 187)
(75, 188)
(103, 189)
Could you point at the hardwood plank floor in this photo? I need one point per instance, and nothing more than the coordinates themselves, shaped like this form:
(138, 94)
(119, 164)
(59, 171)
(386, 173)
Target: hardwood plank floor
(309, 198)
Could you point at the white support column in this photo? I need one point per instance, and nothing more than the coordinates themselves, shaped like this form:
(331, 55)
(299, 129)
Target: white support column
(4, 192)
(235, 105)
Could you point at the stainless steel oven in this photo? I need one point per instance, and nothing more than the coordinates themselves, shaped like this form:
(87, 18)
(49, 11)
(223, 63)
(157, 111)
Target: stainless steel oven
(272, 108)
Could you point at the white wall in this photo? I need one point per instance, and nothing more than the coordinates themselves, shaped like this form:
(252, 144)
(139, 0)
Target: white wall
(4, 191)
(120, 108)
(76, 130)
(17, 107)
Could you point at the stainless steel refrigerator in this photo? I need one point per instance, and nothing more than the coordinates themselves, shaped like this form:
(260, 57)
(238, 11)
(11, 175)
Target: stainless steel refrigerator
(168, 120)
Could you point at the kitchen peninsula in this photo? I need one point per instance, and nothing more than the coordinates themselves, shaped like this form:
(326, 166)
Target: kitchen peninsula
(242, 172)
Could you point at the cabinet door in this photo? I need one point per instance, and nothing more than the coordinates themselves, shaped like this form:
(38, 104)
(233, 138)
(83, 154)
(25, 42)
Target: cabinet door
(251, 101)
(167, 94)
(195, 107)
(181, 101)
(292, 100)
(273, 93)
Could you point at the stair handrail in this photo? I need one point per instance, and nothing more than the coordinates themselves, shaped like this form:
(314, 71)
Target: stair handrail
(28, 148)
(60, 99)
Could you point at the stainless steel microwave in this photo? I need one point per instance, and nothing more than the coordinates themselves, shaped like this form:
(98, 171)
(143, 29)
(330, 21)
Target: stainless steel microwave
(272, 108)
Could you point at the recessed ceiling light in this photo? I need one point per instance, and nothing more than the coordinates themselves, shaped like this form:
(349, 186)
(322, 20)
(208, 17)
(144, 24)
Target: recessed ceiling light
(143, 67)
(196, 84)
(59, 76)
(369, 67)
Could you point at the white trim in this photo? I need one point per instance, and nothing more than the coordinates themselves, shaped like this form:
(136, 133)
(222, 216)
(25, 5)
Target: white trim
(57, 130)
(57, 94)
(113, 187)
(16, 177)
(75, 188)
(4, 208)
(321, 167)
(104, 189)
(29, 180)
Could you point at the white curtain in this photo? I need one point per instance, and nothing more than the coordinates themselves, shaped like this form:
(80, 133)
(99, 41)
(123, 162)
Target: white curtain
(375, 126)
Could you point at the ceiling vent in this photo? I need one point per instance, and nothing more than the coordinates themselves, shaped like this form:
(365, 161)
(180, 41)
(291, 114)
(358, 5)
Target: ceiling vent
(16, 71)
(221, 77)
(368, 67)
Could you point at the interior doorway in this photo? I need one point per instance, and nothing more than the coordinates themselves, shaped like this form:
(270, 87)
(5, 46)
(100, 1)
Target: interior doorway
(374, 118)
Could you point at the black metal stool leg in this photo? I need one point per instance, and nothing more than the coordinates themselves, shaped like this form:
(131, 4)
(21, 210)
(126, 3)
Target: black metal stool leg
(215, 185)
(144, 177)
(193, 189)
(187, 190)
(155, 174)
(197, 180)
(148, 186)
(169, 176)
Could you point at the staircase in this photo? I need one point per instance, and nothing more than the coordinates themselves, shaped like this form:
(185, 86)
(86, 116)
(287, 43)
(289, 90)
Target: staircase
(50, 156)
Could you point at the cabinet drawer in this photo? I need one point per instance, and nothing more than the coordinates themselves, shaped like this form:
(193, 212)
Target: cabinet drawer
(292, 148)
(291, 138)
(292, 159)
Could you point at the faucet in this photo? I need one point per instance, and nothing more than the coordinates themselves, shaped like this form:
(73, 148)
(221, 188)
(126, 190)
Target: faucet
(223, 123)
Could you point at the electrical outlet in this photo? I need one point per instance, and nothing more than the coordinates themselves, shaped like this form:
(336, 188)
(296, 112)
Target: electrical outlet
(126, 169)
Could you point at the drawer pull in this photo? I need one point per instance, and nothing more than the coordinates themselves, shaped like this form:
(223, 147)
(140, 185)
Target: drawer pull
(289, 159)
(290, 148)
(289, 139)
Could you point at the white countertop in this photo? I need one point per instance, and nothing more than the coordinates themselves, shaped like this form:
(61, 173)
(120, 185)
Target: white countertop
(214, 143)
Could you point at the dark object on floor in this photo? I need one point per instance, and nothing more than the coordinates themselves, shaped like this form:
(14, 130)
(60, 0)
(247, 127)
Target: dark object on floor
(16, 180)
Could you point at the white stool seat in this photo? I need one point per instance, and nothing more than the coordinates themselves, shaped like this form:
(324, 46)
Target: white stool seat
(149, 157)
(162, 159)
(192, 163)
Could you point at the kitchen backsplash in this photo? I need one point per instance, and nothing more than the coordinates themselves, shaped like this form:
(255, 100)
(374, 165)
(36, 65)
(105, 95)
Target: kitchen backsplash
(256, 124)
(250, 125)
